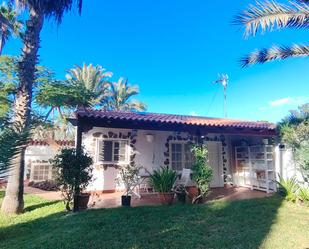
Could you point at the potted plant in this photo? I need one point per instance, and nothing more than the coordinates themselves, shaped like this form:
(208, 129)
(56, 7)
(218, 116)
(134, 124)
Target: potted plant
(74, 172)
(202, 172)
(192, 191)
(181, 193)
(163, 180)
(129, 178)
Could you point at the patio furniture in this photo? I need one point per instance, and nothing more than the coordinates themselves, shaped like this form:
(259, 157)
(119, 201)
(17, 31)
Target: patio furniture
(185, 177)
(145, 185)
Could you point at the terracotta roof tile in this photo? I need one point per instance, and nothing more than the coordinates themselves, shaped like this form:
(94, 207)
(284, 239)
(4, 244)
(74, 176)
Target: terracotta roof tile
(35, 142)
(173, 119)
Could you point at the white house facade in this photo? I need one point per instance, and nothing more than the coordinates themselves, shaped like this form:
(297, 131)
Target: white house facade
(242, 153)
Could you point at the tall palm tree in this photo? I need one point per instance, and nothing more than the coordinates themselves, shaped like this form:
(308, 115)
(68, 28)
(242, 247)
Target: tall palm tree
(271, 15)
(119, 98)
(38, 10)
(10, 25)
(90, 78)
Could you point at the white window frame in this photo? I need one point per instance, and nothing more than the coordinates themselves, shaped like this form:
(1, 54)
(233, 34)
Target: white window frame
(127, 151)
(37, 164)
(183, 153)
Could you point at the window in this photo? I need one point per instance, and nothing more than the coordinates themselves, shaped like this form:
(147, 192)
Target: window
(41, 172)
(112, 151)
(181, 156)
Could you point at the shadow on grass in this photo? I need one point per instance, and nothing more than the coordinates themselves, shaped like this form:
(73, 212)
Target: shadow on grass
(238, 224)
(40, 205)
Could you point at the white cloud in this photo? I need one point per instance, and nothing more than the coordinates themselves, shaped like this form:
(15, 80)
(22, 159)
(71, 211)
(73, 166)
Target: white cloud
(281, 102)
(288, 102)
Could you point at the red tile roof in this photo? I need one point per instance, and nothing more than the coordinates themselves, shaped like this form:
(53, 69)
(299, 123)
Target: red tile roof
(69, 143)
(173, 119)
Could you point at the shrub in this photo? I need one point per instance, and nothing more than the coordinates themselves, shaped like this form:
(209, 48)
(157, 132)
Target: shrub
(288, 188)
(303, 195)
(163, 179)
(202, 172)
(48, 185)
(74, 172)
(129, 177)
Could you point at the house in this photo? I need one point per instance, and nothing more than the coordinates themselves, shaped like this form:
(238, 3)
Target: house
(37, 156)
(242, 153)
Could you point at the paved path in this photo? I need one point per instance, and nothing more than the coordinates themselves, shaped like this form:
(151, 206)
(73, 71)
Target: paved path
(48, 195)
(114, 199)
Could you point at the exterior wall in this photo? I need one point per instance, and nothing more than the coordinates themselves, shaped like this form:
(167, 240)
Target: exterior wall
(150, 155)
(286, 166)
(37, 154)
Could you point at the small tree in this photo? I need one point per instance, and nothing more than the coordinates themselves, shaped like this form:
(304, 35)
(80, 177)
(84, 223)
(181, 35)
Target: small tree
(129, 177)
(74, 168)
(294, 131)
(202, 172)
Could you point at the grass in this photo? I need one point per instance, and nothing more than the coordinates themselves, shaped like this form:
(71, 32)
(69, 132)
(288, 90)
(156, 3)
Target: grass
(259, 223)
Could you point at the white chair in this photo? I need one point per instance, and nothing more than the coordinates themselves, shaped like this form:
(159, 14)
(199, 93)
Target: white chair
(184, 178)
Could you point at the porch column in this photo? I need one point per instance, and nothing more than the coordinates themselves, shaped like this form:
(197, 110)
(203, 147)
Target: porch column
(78, 145)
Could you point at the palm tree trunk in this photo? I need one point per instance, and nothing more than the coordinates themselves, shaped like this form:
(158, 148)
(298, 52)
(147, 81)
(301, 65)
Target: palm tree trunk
(2, 41)
(13, 201)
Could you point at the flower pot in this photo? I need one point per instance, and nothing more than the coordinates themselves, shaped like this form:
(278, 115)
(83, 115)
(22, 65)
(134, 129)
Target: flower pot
(192, 191)
(181, 197)
(126, 200)
(166, 198)
(83, 200)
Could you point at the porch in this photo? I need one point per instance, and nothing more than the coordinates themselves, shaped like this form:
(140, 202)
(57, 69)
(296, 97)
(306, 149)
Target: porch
(227, 193)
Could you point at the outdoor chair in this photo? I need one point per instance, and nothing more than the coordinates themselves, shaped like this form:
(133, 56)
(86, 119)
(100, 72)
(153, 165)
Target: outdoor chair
(184, 178)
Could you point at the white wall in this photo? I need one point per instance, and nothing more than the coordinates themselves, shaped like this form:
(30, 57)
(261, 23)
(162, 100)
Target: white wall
(37, 153)
(286, 166)
(150, 155)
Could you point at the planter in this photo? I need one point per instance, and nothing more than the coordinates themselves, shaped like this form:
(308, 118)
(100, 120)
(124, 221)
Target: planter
(192, 191)
(83, 200)
(181, 198)
(166, 198)
(126, 200)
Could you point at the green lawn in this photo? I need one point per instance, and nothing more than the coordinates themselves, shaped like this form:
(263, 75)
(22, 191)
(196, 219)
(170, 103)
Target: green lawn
(259, 223)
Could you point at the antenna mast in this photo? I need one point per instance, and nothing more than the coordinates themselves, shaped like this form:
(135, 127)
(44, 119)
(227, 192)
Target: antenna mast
(223, 80)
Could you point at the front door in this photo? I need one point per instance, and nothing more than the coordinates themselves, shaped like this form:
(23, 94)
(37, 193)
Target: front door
(215, 161)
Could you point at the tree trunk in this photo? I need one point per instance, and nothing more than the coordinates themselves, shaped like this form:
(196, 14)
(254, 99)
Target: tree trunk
(1, 43)
(13, 201)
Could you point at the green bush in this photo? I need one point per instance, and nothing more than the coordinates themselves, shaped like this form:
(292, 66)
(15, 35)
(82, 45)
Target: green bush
(303, 195)
(74, 172)
(288, 188)
(163, 179)
(202, 172)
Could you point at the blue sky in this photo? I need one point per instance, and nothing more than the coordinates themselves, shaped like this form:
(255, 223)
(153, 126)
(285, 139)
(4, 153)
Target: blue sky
(174, 50)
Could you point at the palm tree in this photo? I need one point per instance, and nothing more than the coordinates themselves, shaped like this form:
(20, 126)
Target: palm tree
(90, 78)
(119, 98)
(38, 10)
(272, 15)
(10, 26)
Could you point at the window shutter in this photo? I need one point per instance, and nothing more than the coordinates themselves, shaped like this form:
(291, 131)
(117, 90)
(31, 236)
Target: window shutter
(105, 150)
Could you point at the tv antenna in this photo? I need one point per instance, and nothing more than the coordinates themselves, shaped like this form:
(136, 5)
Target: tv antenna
(223, 79)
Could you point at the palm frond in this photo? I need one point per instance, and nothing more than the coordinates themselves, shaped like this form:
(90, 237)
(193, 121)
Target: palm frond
(92, 79)
(275, 53)
(50, 8)
(119, 97)
(270, 15)
(12, 141)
